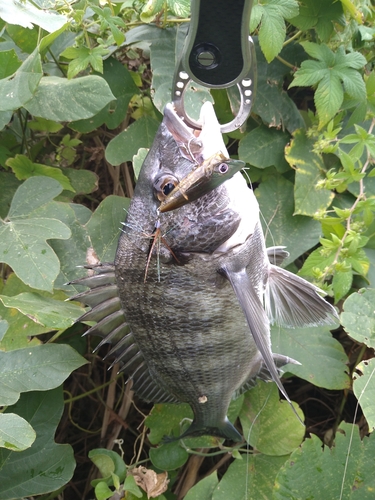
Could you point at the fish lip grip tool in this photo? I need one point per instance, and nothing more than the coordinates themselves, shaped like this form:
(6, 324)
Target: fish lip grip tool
(218, 53)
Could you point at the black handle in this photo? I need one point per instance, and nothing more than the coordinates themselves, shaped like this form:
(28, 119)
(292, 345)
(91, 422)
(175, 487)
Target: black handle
(217, 47)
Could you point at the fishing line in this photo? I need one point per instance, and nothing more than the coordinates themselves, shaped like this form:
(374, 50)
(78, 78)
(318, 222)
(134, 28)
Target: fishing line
(352, 433)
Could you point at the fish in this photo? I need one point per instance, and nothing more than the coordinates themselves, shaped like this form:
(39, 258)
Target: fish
(197, 330)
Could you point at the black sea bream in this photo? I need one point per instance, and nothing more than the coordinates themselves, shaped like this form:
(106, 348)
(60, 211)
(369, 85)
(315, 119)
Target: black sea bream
(195, 326)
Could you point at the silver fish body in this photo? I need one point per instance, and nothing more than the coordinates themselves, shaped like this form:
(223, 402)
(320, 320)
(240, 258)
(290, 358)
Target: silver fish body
(196, 328)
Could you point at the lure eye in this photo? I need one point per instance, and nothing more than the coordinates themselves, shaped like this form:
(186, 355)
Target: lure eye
(223, 168)
(164, 185)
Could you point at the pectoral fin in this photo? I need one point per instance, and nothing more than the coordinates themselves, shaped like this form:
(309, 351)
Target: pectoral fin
(257, 320)
(292, 301)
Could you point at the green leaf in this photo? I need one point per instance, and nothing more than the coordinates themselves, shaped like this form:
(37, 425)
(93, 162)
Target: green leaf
(168, 456)
(341, 283)
(15, 433)
(252, 478)
(5, 117)
(23, 237)
(358, 317)
(37, 368)
(364, 390)
(204, 489)
(46, 466)
(126, 144)
(164, 420)
(48, 312)
(4, 325)
(263, 147)
(104, 227)
(345, 470)
(9, 185)
(108, 462)
(323, 359)
(16, 90)
(122, 87)
(272, 30)
(320, 15)
(22, 330)
(138, 160)
(9, 63)
(131, 486)
(83, 57)
(309, 170)
(280, 226)
(268, 424)
(60, 99)
(26, 14)
(25, 168)
(102, 491)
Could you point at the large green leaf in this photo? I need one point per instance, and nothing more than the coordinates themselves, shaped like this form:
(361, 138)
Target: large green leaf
(22, 330)
(60, 99)
(264, 147)
(268, 424)
(358, 317)
(23, 236)
(104, 227)
(16, 90)
(204, 489)
(346, 471)
(309, 166)
(26, 14)
(123, 88)
(15, 433)
(251, 478)
(55, 314)
(364, 389)
(126, 144)
(46, 466)
(169, 456)
(9, 63)
(323, 359)
(281, 227)
(38, 368)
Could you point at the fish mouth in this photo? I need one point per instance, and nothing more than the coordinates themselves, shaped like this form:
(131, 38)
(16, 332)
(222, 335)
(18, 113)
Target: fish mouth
(196, 145)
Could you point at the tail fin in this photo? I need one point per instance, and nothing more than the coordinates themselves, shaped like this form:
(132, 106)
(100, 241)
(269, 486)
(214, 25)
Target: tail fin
(223, 429)
(292, 301)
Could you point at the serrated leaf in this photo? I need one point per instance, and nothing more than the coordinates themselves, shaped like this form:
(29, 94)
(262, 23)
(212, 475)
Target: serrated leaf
(104, 227)
(17, 89)
(25, 168)
(51, 313)
(37, 368)
(60, 99)
(345, 470)
(309, 170)
(364, 390)
(263, 147)
(323, 359)
(280, 226)
(268, 424)
(23, 237)
(15, 433)
(45, 466)
(358, 317)
(252, 478)
(126, 144)
(328, 97)
(26, 14)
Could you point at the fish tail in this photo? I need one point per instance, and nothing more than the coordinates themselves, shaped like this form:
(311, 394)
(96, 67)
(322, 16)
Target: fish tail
(223, 429)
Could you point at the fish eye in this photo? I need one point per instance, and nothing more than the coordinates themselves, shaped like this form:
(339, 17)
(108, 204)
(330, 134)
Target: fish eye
(223, 168)
(164, 185)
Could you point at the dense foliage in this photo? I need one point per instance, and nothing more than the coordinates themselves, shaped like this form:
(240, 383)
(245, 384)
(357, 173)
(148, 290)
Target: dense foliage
(82, 88)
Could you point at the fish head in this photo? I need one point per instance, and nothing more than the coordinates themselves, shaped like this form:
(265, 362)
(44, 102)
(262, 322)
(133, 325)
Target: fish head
(177, 152)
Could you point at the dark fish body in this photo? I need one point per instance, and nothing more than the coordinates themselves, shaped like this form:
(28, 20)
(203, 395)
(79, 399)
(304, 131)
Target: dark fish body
(196, 328)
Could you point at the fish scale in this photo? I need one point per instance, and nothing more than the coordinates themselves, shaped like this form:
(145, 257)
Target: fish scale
(195, 327)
